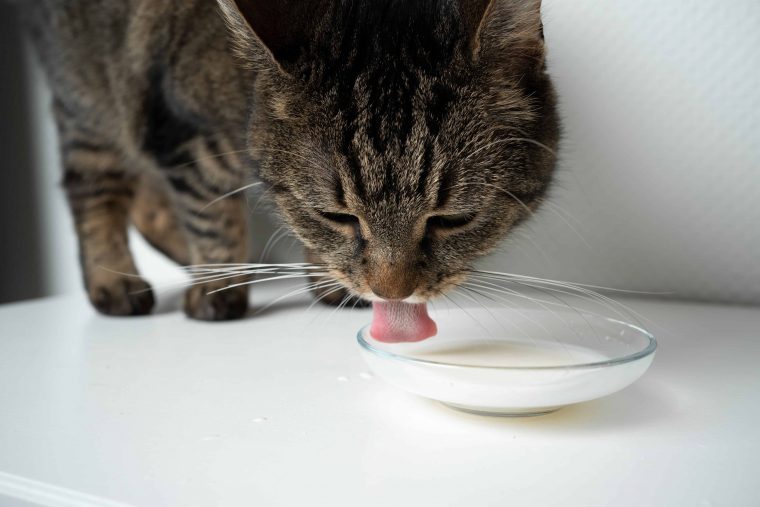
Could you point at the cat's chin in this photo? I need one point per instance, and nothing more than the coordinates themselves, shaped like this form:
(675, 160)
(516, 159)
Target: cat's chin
(397, 321)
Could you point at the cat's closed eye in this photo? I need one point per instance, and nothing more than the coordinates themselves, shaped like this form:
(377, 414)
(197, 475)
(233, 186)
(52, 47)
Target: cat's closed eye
(449, 223)
(341, 220)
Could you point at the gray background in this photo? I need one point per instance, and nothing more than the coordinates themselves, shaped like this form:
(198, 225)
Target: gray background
(20, 247)
(659, 182)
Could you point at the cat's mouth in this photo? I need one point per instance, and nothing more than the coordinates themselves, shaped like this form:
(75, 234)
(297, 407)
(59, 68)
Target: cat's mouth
(397, 321)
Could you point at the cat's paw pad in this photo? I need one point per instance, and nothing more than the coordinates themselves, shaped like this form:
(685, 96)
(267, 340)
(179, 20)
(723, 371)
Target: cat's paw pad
(121, 295)
(227, 304)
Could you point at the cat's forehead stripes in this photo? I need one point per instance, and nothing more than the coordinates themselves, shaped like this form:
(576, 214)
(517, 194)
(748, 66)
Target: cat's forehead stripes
(391, 155)
(382, 69)
(389, 132)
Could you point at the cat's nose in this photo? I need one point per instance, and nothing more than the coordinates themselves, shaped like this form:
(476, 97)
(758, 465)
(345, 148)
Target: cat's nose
(391, 293)
(390, 281)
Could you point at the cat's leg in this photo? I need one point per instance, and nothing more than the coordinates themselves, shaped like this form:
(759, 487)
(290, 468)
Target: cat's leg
(153, 214)
(100, 194)
(326, 292)
(216, 232)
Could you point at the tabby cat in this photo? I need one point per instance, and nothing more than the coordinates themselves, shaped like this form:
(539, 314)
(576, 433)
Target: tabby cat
(400, 139)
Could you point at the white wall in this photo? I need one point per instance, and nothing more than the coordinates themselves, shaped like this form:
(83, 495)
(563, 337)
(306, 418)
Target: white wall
(660, 177)
(661, 158)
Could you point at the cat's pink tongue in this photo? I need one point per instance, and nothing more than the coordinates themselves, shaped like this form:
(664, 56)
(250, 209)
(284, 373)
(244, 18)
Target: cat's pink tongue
(394, 321)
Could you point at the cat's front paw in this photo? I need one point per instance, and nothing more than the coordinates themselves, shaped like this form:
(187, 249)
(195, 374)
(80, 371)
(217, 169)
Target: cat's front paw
(120, 295)
(227, 304)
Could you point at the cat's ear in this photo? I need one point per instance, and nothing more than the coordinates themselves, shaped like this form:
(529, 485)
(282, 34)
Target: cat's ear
(503, 25)
(283, 28)
(473, 14)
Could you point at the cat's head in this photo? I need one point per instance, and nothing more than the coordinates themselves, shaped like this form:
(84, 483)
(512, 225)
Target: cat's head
(402, 139)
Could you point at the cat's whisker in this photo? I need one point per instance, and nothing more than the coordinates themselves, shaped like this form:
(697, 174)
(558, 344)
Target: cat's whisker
(500, 189)
(323, 284)
(200, 275)
(320, 311)
(210, 279)
(249, 270)
(626, 316)
(261, 198)
(601, 298)
(253, 282)
(248, 264)
(636, 316)
(325, 294)
(511, 140)
(209, 157)
(623, 311)
(222, 267)
(503, 301)
(548, 205)
(546, 305)
(560, 210)
(217, 278)
(265, 250)
(204, 274)
(545, 203)
(207, 277)
(500, 298)
(585, 297)
(253, 265)
(343, 301)
(294, 241)
(466, 148)
(488, 310)
(357, 299)
(574, 284)
(480, 324)
(551, 294)
(500, 289)
(283, 232)
(543, 288)
(206, 280)
(535, 244)
(230, 194)
(297, 155)
(131, 275)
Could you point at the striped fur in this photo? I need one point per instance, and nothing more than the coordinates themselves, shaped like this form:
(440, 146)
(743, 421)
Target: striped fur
(401, 140)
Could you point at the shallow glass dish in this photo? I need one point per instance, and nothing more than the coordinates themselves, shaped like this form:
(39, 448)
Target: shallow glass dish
(515, 362)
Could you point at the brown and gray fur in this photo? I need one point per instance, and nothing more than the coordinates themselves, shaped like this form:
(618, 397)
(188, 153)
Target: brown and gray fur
(401, 140)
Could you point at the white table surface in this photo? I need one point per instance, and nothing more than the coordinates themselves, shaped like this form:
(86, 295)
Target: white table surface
(278, 410)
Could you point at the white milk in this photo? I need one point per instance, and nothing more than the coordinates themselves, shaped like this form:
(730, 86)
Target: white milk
(507, 354)
(522, 372)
